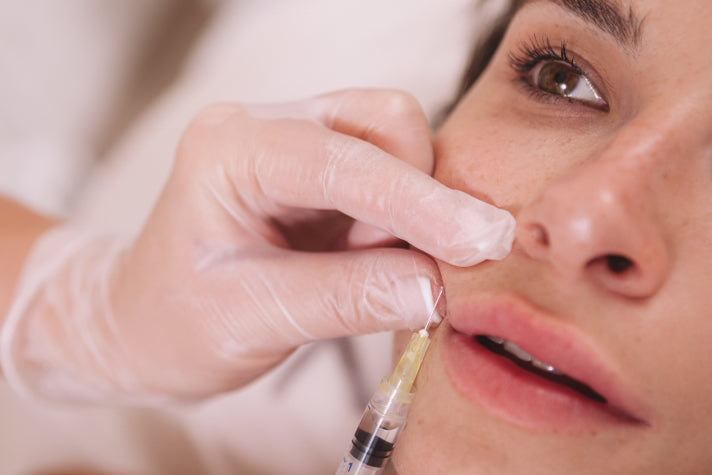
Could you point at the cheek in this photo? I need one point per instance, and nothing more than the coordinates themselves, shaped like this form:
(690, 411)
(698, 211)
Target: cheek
(484, 165)
(501, 159)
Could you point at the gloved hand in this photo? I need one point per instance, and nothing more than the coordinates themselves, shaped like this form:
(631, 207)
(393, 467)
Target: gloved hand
(248, 254)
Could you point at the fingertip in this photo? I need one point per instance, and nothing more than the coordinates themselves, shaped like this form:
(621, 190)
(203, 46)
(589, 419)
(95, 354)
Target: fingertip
(496, 242)
(419, 296)
(483, 232)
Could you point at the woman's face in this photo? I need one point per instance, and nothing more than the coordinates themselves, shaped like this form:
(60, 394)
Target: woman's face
(593, 126)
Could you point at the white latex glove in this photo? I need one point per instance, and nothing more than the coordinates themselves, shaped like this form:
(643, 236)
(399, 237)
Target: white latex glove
(245, 257)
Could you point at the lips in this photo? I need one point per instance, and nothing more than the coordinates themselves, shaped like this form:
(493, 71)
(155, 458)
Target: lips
(533, 369)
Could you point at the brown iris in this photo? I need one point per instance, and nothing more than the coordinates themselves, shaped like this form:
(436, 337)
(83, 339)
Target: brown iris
(557, 78)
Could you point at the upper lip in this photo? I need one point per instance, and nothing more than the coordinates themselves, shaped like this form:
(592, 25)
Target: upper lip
(550, 339)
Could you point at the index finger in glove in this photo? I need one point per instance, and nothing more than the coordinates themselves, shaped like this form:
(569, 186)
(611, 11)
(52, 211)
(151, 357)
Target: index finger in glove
(309, 165)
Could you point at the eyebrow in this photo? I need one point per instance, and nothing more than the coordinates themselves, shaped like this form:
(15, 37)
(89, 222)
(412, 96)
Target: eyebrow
(624, 26)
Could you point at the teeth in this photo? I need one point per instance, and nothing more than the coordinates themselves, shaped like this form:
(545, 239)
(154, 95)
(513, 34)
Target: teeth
(516, 351)
(546, 367)
(523, 355)
(521, 358)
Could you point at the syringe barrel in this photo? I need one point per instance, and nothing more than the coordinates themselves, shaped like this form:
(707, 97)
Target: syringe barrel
(350, 465)
(381, 424)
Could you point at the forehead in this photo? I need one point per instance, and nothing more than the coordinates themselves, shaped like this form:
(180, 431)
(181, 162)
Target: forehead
(626, 18)
(621, 21)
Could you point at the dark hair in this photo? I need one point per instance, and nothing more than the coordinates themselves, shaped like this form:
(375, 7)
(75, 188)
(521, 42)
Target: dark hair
(483, 52)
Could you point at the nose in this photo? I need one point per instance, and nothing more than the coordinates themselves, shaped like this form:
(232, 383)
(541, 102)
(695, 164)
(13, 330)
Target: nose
(600, 224)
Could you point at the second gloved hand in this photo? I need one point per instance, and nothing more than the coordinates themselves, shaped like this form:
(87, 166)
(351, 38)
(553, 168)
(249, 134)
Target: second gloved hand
(274, 229)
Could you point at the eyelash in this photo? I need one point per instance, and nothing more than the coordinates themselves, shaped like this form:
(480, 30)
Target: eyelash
(539, 49)
(532, 53)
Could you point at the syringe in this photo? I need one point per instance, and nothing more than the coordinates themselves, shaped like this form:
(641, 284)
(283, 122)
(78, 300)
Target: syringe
(386, 413)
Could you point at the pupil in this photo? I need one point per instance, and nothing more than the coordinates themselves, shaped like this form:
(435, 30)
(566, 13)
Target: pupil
(560, 78)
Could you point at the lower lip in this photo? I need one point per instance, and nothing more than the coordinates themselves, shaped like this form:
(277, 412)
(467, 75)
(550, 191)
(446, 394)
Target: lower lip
(517, 396)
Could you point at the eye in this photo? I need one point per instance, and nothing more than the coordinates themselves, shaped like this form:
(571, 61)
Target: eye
(562, 79)
(550, 73)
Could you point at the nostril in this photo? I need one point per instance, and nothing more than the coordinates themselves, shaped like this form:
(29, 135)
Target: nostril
(618, 264)
(611, 263)
(533, 238)
(536, 234)
(625, 276)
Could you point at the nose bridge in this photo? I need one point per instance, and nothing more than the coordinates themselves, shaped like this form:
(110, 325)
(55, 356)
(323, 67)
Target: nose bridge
(659, 144)
(656, 142)
(611, 181)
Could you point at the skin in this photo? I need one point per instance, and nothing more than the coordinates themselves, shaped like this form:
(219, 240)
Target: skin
(19, 227)
(638, 176)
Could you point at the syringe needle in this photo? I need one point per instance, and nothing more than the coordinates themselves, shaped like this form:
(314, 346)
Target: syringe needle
(434, 311)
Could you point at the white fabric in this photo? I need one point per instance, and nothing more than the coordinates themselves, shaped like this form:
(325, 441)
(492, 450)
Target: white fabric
(300, 418)
(64, 66)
